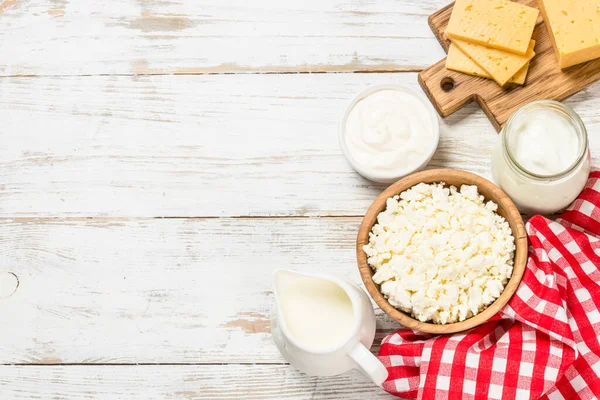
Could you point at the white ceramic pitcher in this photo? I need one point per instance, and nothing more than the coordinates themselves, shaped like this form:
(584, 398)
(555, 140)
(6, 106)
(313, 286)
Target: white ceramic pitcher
(336, 344)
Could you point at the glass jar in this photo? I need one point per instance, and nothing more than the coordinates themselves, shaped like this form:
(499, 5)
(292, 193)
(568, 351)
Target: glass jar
(539, 193)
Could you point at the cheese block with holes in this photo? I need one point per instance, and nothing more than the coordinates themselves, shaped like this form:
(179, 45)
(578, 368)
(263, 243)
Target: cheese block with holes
(574, 29)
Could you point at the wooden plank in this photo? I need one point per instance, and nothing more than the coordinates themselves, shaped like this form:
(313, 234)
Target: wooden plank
(55, 37)
(219, 145)
(177, 382)
(157, 290)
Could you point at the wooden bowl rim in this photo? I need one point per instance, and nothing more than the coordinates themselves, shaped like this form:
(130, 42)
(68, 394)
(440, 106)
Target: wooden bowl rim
(492, 192)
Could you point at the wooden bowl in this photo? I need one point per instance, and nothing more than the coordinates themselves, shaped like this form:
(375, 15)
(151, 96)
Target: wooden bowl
(506, 208)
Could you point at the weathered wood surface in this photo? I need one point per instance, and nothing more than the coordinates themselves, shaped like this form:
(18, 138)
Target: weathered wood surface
(86, 37)
(157, 290)
(116, 116)
(178, 382)
(219, 145)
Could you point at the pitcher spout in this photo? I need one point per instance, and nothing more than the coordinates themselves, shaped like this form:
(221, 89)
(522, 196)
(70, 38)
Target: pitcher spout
(283, 279)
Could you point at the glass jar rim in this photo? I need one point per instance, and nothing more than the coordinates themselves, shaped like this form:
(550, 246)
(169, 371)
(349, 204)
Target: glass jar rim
(553, 105)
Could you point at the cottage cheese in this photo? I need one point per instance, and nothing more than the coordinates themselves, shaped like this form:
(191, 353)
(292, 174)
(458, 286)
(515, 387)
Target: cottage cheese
(441, 254)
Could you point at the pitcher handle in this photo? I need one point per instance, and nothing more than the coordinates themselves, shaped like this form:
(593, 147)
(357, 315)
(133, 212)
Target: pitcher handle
(369, 364)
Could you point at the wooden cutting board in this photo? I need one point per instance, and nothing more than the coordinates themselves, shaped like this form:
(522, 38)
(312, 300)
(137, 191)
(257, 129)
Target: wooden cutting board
(449, 91)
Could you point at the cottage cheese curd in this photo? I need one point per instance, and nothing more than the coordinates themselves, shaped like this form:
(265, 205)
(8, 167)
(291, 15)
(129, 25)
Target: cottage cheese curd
(441, 254)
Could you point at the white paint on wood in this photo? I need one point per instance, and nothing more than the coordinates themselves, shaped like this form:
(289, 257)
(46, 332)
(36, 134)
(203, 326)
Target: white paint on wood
(180, 382)
(158, 290)
(219, 145)
(128, 288)
(8, 284)
(61, 37)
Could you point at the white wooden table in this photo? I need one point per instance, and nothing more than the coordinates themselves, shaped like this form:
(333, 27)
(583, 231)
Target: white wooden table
(160, 158)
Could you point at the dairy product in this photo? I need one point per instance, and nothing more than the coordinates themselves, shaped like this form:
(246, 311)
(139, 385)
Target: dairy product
(318, 312)
(457, 60)
(439, 253)
(389, 133)
(498, 24)
(500, 65)
(541, 158)
(544, 143)
(574, 27)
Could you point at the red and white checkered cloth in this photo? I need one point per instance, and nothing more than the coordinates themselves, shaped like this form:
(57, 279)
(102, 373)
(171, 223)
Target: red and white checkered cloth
(543, 344)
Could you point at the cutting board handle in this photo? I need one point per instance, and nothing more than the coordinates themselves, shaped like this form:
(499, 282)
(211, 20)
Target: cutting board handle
(449, 91)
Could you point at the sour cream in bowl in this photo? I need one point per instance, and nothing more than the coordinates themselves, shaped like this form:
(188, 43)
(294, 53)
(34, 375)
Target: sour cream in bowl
(388, 132)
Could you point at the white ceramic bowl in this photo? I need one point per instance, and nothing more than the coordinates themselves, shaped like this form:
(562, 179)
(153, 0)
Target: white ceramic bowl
(405, 170)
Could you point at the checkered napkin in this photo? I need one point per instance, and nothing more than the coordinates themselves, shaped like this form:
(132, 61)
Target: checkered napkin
(543, 344)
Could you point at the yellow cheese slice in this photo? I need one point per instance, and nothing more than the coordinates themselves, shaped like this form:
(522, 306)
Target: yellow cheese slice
(498, 24)
(574, 27)
(500, 65)
(459, 61)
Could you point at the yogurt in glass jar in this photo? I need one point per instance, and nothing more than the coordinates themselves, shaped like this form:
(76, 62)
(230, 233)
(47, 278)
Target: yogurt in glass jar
(541, 158)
